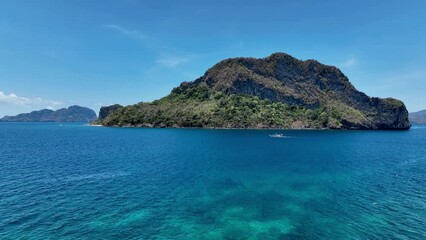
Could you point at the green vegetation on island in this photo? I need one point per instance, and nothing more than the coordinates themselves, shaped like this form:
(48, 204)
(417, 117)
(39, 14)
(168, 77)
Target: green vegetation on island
(202, 107)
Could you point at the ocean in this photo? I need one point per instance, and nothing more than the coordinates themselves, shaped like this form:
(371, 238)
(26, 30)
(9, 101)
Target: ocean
(73, 181)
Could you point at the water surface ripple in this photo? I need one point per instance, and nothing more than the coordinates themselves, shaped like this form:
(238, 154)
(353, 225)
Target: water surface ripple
(72, 181)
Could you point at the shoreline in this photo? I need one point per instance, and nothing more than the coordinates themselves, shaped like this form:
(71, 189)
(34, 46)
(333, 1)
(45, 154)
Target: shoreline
(262, 128)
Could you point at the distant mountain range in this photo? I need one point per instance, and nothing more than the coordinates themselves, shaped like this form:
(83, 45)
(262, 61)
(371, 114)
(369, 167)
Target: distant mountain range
(278, 91)
(418, 117)
(70, 114)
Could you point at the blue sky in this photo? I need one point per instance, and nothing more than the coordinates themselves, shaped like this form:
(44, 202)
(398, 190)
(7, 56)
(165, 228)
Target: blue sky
(92, 53)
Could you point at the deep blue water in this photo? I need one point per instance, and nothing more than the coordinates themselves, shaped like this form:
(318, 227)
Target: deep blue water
(73, 181)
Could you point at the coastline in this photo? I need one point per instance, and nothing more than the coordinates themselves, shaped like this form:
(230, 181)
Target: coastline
(252, 128)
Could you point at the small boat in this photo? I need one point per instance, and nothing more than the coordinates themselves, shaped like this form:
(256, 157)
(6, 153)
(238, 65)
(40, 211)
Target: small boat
(277, 135)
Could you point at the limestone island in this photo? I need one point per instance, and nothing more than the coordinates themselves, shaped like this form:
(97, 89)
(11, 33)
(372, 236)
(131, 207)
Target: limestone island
(279, 92)
(70, 114)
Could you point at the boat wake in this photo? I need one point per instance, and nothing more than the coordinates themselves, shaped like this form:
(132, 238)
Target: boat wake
(277, 135)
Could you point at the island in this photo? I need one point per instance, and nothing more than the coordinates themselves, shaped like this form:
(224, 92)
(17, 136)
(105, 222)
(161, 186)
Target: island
(70, 114)
(279, 92)
(418, 117)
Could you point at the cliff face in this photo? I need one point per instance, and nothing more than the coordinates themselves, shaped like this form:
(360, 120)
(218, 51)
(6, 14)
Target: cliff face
(308, 94)
(105, 111)
(71, 114)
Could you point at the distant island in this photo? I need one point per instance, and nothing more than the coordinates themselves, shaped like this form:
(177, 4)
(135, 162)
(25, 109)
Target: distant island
(278, 91)
(418, 117)
(70, 114)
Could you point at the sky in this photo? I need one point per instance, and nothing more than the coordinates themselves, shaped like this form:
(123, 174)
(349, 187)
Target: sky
(94, 53)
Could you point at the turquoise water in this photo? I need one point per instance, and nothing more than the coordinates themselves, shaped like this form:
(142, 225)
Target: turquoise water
(79, 182)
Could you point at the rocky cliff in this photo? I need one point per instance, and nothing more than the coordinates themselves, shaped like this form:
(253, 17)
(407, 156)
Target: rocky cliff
(278, 91)
(105, 111)
(70, 114)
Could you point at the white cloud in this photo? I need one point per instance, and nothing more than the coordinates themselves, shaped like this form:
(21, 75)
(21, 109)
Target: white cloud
(13, 99)
(24, 101)
(130, 33)
(172, 61)
(349, 62)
